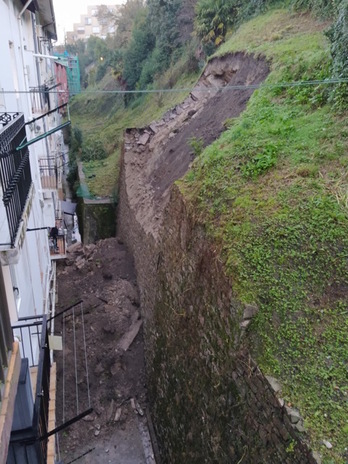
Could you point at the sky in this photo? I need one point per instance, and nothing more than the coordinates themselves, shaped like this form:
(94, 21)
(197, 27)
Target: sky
(68, 12)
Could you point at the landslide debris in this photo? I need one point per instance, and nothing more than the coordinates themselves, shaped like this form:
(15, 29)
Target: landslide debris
(158, 155)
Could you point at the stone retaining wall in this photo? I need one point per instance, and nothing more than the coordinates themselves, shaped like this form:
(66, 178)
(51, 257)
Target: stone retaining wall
(210, 402)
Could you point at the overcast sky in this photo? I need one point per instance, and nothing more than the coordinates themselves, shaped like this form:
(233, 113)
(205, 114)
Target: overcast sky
(68, 12)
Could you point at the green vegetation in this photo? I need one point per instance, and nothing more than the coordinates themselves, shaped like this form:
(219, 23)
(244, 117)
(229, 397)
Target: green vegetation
(149, 52)
(272, 193)
(106, 117)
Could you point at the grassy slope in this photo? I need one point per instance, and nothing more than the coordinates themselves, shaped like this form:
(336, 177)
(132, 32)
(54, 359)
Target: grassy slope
(272, 192)
(105, 117)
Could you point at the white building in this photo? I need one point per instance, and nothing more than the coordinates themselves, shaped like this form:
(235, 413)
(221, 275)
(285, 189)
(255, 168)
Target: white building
(31, 145)
(26, 31)
(92, 25)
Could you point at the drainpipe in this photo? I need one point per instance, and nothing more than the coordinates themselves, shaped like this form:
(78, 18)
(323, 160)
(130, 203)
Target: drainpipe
(24, 8)
(36, 54)
(47, 57)
(25, 72)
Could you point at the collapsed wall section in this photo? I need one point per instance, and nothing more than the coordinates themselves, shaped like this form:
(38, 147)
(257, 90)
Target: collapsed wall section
(210, 402)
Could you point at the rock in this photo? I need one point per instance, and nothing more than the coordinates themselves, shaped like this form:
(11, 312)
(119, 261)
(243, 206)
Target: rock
(74, 247)
(299, 427)
(138, 409)
(96, 433)
(129, 337)
(154, 128)
(250, 311)
(118, 414)
(109, 329)
(144, 139)
(294, 415)
(244, 324)
(317, 457)
(99, 369)
(88, 418)
(274, 384)
(327, 444)
(110, 411)
(80, 262)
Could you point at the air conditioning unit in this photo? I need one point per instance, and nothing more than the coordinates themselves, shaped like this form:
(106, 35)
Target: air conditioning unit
(47, 195)
(37, 128)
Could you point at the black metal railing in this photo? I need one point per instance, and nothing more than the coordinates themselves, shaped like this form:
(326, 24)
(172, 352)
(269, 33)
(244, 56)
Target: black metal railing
(5, 118)
(41, 405)
(15, 174)
(6, 337)
(39, 98)
(27, 331)
(34, 440)
(48, 173)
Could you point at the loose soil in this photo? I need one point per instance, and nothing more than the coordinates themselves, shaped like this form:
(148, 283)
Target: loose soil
(101, 275)
(157, 155)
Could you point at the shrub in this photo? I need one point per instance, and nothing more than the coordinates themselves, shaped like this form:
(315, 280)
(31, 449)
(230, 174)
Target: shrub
(338, 35)
(93, 149)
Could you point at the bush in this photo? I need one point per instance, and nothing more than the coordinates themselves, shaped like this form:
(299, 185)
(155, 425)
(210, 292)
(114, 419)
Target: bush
(93, 149)
(324, 8)
(338, 35)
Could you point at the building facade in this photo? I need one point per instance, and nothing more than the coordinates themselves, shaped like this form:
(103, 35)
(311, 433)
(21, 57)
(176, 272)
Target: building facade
(92, 24)
(31, 163)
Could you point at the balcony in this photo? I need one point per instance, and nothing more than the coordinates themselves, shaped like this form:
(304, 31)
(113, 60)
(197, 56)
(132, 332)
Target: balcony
(6, 341)
(15, 177)
(58, 244)
(33, 412)
(48, 173)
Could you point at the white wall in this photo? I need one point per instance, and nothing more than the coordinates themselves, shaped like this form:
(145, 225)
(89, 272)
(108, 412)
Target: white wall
(18, 72)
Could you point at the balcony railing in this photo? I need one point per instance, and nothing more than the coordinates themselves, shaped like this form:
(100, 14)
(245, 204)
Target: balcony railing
(48, 173)
(58, 241)
(32, 333)
(6, 340)
(15, 174)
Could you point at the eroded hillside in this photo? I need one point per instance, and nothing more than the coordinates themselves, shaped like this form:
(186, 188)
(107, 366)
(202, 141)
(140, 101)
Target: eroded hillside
(242, 265)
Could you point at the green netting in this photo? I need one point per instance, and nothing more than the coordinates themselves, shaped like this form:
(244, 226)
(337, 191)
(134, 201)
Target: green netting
(73, 71)
(83, 192)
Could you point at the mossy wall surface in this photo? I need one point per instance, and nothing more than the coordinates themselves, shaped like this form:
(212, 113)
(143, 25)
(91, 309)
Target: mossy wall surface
(210, 402)
(96, 219)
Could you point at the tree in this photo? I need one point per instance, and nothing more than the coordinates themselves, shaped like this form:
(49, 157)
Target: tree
(163, 20)
(141, 45)
(213, 17)
(126, 19)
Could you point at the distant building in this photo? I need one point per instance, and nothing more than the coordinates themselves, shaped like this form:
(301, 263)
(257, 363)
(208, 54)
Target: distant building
(68, 73)
(90, 25)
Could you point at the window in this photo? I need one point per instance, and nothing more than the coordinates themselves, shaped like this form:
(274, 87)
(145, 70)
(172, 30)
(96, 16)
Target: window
(95, 29)
(88, 21)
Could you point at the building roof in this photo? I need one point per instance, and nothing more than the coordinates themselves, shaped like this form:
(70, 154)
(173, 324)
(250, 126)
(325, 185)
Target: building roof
(47, 18)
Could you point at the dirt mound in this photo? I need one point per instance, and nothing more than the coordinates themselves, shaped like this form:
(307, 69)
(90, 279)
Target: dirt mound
(159, 154)
(102, 275)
